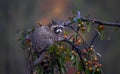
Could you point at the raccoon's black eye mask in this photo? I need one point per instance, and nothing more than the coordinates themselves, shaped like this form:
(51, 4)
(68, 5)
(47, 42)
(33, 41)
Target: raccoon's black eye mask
(58, 30)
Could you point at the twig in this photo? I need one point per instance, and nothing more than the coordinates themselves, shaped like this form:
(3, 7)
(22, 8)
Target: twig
(92, 41)
(70, 37)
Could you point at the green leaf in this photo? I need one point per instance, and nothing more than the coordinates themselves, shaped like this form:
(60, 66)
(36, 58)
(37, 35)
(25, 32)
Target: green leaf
(88, 26)
(87, 71)
(39, 70)
(53, 48)
(80, 68)
(72, 58)
(102, 36)
(23, 41)
(76, 62)
(116, 28)
(101, 33)
(74, 12)
(98, 54)
(66, 32)
(79, 20)
(84, 34)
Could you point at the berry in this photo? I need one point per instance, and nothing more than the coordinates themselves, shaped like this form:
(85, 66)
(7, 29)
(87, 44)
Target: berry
(90, 68)
(76, 43)
(101, 27)
(65, 36)
(79, 25)
(79, 41)
(73, 52)
(84, 50)
(86, 63)
(97, 69)
(67, 58)
(93, 21)
(95, 59)
(78, 72)
(100, 65)
(83, 28)
(90, 48)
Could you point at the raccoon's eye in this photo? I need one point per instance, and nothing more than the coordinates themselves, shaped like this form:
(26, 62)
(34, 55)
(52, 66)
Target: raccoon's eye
(61, 28)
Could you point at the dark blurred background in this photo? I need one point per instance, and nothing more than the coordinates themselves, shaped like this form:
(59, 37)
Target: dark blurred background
(25, 13)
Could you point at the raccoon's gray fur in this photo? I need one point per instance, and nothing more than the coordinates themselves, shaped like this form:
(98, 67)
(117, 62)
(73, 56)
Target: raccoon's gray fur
(44, 36)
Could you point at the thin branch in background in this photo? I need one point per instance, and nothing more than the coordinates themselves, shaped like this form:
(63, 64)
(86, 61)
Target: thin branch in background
(93, 40)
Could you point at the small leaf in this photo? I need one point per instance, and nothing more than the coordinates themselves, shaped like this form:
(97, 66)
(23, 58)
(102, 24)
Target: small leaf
(116, 28)
(65, 32)
(72, 58)
(101, 33)
(80, 68)
(88, 25)
(98, 54)
(87, 71)
(79, 21)
(74, 12)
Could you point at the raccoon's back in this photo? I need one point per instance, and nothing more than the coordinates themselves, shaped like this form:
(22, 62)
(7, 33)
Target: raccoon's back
(42, 38)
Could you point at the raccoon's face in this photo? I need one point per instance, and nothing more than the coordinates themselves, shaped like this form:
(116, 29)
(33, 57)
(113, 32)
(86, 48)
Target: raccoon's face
(57, 26)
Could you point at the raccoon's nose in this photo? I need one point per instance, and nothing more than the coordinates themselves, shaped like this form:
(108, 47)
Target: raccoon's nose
(58, 31)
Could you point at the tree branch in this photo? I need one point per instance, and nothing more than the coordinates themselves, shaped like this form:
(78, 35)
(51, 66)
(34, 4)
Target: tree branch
(95, 21)
(100, 22)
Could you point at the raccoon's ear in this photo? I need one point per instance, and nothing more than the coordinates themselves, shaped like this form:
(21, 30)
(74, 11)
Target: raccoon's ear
(53, 22)
(49, 25)
(39, 24)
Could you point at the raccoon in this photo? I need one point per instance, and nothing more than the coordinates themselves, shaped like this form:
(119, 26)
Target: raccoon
(44, 36)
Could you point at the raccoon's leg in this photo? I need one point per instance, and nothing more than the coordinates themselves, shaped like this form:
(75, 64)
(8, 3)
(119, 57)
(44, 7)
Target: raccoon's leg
(40, 58)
